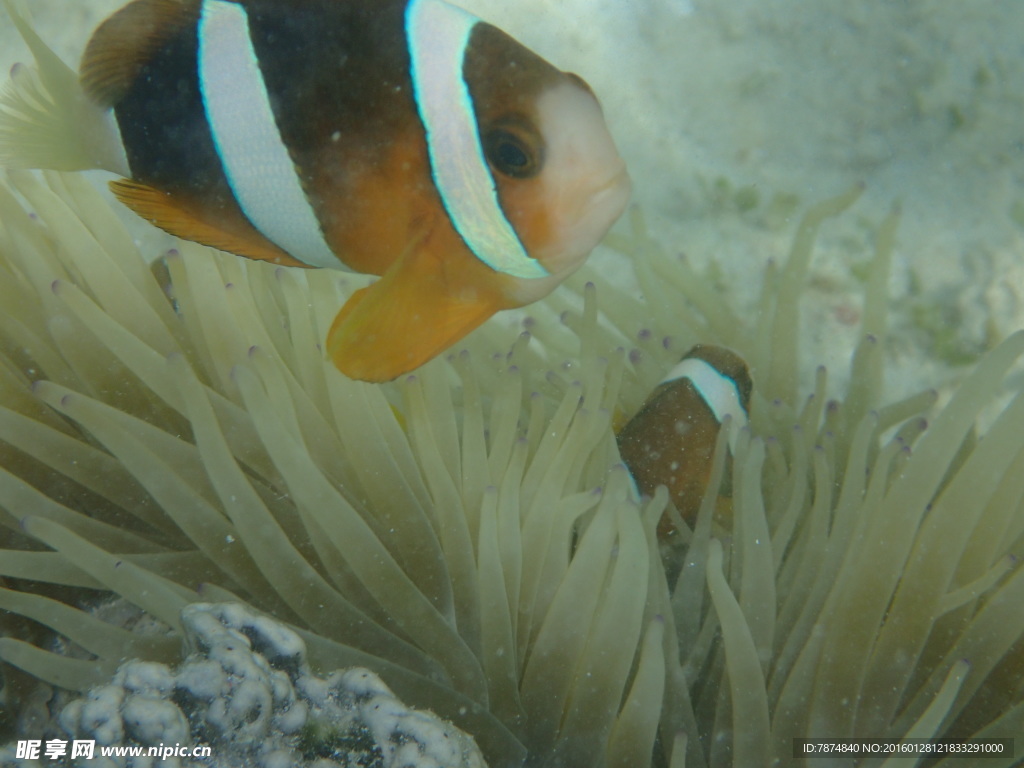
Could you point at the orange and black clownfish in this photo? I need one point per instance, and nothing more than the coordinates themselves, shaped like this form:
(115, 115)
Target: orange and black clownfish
(400, 138)
(671, 440)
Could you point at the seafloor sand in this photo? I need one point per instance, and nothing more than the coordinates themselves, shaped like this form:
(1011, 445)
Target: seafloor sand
(727, 108)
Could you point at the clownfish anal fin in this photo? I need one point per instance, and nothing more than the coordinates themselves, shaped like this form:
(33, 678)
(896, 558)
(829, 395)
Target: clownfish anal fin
(403, 320)
(173, 215)
(126, 41)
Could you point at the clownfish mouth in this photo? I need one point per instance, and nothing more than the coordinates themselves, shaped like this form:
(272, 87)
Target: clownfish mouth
(583, 216)
(585, 185)
(610, 198)
(599, 210)
(578, 218)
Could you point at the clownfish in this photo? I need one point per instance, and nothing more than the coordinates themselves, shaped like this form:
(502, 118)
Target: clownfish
(401, 138)
(671, 440)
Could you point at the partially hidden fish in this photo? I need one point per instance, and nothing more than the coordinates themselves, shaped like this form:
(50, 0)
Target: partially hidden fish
(671, 439)
(401, 138)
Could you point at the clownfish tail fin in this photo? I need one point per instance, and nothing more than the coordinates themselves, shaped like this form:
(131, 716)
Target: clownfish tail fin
(46, 119)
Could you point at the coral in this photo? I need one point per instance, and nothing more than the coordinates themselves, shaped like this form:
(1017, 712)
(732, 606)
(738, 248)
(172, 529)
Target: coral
(468, 534)
(246, 692)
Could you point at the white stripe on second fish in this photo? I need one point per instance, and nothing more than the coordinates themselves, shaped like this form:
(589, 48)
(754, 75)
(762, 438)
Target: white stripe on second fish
(717, 390)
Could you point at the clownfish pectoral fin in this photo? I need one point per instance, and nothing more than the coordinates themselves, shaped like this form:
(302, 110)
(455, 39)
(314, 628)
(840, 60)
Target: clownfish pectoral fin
(126, 41)
(403, 320)
(179, 219)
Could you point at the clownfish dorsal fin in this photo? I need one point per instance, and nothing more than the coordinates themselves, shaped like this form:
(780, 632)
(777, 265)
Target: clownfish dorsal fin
(126, 41)
(177, 217)
(404, 319)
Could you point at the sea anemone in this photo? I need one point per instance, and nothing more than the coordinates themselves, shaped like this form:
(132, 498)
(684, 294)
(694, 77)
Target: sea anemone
(173, 434)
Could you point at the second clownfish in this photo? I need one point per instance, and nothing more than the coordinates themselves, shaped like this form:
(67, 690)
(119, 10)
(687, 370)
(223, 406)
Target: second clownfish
(671, 440)
(400, 138)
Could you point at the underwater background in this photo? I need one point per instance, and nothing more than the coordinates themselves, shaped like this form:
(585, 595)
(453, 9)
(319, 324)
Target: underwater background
(732, 114)
(735, 117)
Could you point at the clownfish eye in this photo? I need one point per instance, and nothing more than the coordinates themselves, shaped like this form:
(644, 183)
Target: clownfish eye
(513, 154)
